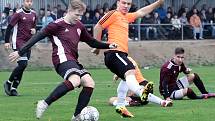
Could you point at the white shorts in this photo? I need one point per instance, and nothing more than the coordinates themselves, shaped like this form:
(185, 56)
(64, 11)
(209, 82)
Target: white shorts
(182, 83)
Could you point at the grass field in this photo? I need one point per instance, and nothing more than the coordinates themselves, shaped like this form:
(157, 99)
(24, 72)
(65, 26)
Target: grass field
(37, 85)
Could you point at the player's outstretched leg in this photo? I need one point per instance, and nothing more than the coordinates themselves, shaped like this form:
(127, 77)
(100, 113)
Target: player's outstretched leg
(123, 111)
(146, 90)
(7, 87)
(41, 108)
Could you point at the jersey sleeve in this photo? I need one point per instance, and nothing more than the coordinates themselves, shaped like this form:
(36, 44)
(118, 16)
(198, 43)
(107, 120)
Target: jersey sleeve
(50, 29)
(107, 19)
(131, 17)
(14, 19)
(183, 68)
(85, 36)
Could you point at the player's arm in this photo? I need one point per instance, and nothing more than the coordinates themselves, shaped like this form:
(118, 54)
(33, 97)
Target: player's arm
(35, 38)
(185, 70)
(148, 9)
(97, 33)
(165, 86)
(7, 36)
(100, 45)
(14, 20)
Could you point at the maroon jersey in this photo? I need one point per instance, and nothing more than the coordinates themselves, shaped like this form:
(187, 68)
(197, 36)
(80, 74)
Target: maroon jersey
(65, 38)
(23, 23)
(168, 76)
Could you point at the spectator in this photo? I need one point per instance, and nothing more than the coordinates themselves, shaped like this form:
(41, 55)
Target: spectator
(87, 20)
(54, 13)
(89, 10)
(213, 25)
(170, 10)
(7, 9)
(183, 19)
(59, 11)
(161, 12)
(176, 27)
(40, 17)
(209, 14)
(3, 25)
(96, 18)
(46, 21)
(186, 26)
(11, 12)
(168, 28)
(196, 23)
(181, 10)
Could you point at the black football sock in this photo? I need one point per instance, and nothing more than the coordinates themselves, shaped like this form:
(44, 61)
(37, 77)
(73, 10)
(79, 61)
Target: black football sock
(83, 99)
(199, 84)
(17, 73)
(59, 91)
(192, 95)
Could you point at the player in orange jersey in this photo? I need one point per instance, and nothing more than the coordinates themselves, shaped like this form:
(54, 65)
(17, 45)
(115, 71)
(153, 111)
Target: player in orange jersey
(116, 22)
(132, 99)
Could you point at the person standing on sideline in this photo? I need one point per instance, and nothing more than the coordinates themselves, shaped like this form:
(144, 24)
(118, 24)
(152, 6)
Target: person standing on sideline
(117, 23)
(23, 23)
(65, 34)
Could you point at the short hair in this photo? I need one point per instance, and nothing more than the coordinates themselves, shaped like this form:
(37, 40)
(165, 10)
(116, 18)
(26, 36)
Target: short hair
(77, 4)
(179, 50)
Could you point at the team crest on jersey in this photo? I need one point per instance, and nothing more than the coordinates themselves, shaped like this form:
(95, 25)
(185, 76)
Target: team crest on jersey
(66, 30)
(79, 31)
(23, 18)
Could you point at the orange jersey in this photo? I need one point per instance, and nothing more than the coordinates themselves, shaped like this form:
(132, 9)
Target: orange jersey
(117, 25)
(138, 73)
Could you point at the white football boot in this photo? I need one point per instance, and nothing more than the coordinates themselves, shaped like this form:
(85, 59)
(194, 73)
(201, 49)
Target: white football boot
(40, 109)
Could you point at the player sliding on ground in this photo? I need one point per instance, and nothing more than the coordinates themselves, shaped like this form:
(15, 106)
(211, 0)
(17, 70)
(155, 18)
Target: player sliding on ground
(132, 99)
(173, 88)
(116, 22)
(65, 34)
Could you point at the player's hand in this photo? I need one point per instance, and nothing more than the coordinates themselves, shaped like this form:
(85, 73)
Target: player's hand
(13, 56)
(113, 46)
(168, 98)
(33, 31)
(115, 78)
(188, 70)
(161, 1)
(95, 51)
(7, 46)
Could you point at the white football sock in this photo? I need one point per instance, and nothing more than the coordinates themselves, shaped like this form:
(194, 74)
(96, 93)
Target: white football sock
(154, 99)
(121, 93)
(133, 85)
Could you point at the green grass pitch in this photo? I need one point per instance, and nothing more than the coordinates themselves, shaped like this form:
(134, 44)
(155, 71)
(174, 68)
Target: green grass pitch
(36, 85)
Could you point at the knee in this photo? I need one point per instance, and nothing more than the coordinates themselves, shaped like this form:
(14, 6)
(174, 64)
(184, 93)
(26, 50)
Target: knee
(185, 91)
(75, 80)
(190, 77)
(87, 81)
(130, 72)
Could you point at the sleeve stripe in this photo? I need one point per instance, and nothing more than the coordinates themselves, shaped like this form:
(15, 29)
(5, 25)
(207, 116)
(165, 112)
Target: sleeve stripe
(106, 17)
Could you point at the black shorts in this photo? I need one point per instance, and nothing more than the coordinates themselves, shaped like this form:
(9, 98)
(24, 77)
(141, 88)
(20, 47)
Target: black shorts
(70, 67)
(118, 63)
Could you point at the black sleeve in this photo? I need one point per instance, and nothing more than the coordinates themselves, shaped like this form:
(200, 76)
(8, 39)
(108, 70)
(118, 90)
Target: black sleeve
(165, 87)
(7, 34)
(34, 39)
(97, 44)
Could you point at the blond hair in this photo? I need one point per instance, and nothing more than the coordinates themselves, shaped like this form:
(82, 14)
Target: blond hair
(77, 4)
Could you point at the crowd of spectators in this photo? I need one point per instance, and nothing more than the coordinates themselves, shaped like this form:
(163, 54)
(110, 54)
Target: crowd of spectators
(162, 23)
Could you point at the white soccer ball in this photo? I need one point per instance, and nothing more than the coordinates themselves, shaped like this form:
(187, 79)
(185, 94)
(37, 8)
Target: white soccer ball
(89, 113)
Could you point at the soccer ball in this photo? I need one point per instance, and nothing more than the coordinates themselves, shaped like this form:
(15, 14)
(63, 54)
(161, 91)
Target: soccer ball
(89, 113)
